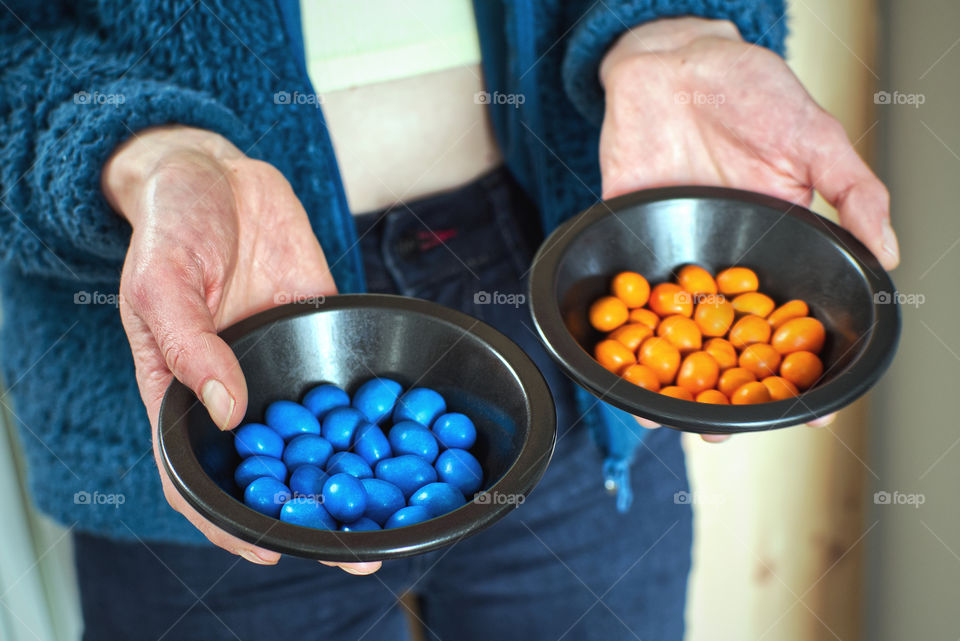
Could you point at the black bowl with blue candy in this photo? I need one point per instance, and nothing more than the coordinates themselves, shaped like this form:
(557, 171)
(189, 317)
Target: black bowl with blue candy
(377, 427)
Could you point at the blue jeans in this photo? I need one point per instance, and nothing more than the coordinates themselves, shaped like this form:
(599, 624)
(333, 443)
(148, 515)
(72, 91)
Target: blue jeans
(565, 564)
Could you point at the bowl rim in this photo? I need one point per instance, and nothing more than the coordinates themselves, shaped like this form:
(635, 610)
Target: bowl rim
(876, 355)
(232, 516)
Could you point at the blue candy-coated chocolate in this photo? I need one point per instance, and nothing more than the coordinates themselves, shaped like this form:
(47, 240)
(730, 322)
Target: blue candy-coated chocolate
(455, 430)
(438, 498)
(363, 524)
(376, 398)
(408, 437)
(460, 468)
(407, 516)
(340, 424)
(349, 463)
(323, 398)
(308, 480)
(408, 472)
(307, 512)
(344, 497)
(307, 449)
(383, 499)
(266, 495)
(291, 419)
(256, 439)
(254, 467)
(421, 405)
(371, 443)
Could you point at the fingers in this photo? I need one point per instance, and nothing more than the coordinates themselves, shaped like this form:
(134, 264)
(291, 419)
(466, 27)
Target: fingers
(823, 421)
(715, 438)
(359, 569)
(862, 201)
(647, 423)
(180, 322)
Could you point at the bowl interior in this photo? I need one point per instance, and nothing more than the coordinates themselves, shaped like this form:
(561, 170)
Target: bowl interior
(346, 341)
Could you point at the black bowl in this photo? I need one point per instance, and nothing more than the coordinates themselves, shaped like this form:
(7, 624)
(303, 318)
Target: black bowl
(795, 253)
(347, 340)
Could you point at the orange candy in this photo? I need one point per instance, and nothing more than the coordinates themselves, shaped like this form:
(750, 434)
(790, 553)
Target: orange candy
(803, 369)
(799, 334)
(755, 392)
(753, 303)
(780, 388)
(733, 379)
(631, 335)
(790, 309)
(748, 330)
(682, 332)
(667, 299)
(696, 280)
(716, 397)
(714, 315)
(632, 288)
(674, 391)
(608, 313)
(761, 359)
(737, 280)
(698, 372)
(722, 352)
(645, 317)
(662, 357)
(643, 376)
(613, 355)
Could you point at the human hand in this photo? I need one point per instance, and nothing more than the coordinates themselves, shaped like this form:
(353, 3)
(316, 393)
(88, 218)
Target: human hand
(216, 236)
(689, 102)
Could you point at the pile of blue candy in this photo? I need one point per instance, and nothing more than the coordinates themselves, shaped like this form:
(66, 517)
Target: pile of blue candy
(385, 459)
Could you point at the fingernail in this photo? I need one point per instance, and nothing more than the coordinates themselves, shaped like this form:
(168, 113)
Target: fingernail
(251, 556)
(218, 402)
(889, 240)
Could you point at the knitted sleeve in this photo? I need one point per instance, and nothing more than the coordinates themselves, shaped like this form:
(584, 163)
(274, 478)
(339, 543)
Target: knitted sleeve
(762, 22)
(71, 95)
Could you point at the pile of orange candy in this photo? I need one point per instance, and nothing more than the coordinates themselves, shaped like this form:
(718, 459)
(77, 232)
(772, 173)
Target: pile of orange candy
(712, 340)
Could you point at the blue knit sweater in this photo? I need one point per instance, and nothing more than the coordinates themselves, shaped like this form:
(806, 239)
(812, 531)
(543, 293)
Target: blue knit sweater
(79, 78)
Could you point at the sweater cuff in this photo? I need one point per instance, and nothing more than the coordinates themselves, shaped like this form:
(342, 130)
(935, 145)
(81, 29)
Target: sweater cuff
(760, 22)
(82, 235)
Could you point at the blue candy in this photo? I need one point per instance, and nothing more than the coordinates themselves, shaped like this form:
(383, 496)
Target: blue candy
(344, 497)
(408, 472)
(363, 524)
(455, 430)
(420, 405)
(376, 398)
(255, 439)
(308, 512)
(383, 499)
(307, 449)
(460, 468)
(291, 419)
(407, 437)
(371, 443)
(308, 480)
(339, 425)
(266, 495)
(407, 516)
(349, 463)
(323, 398)
(256, 467)
(438, 498)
